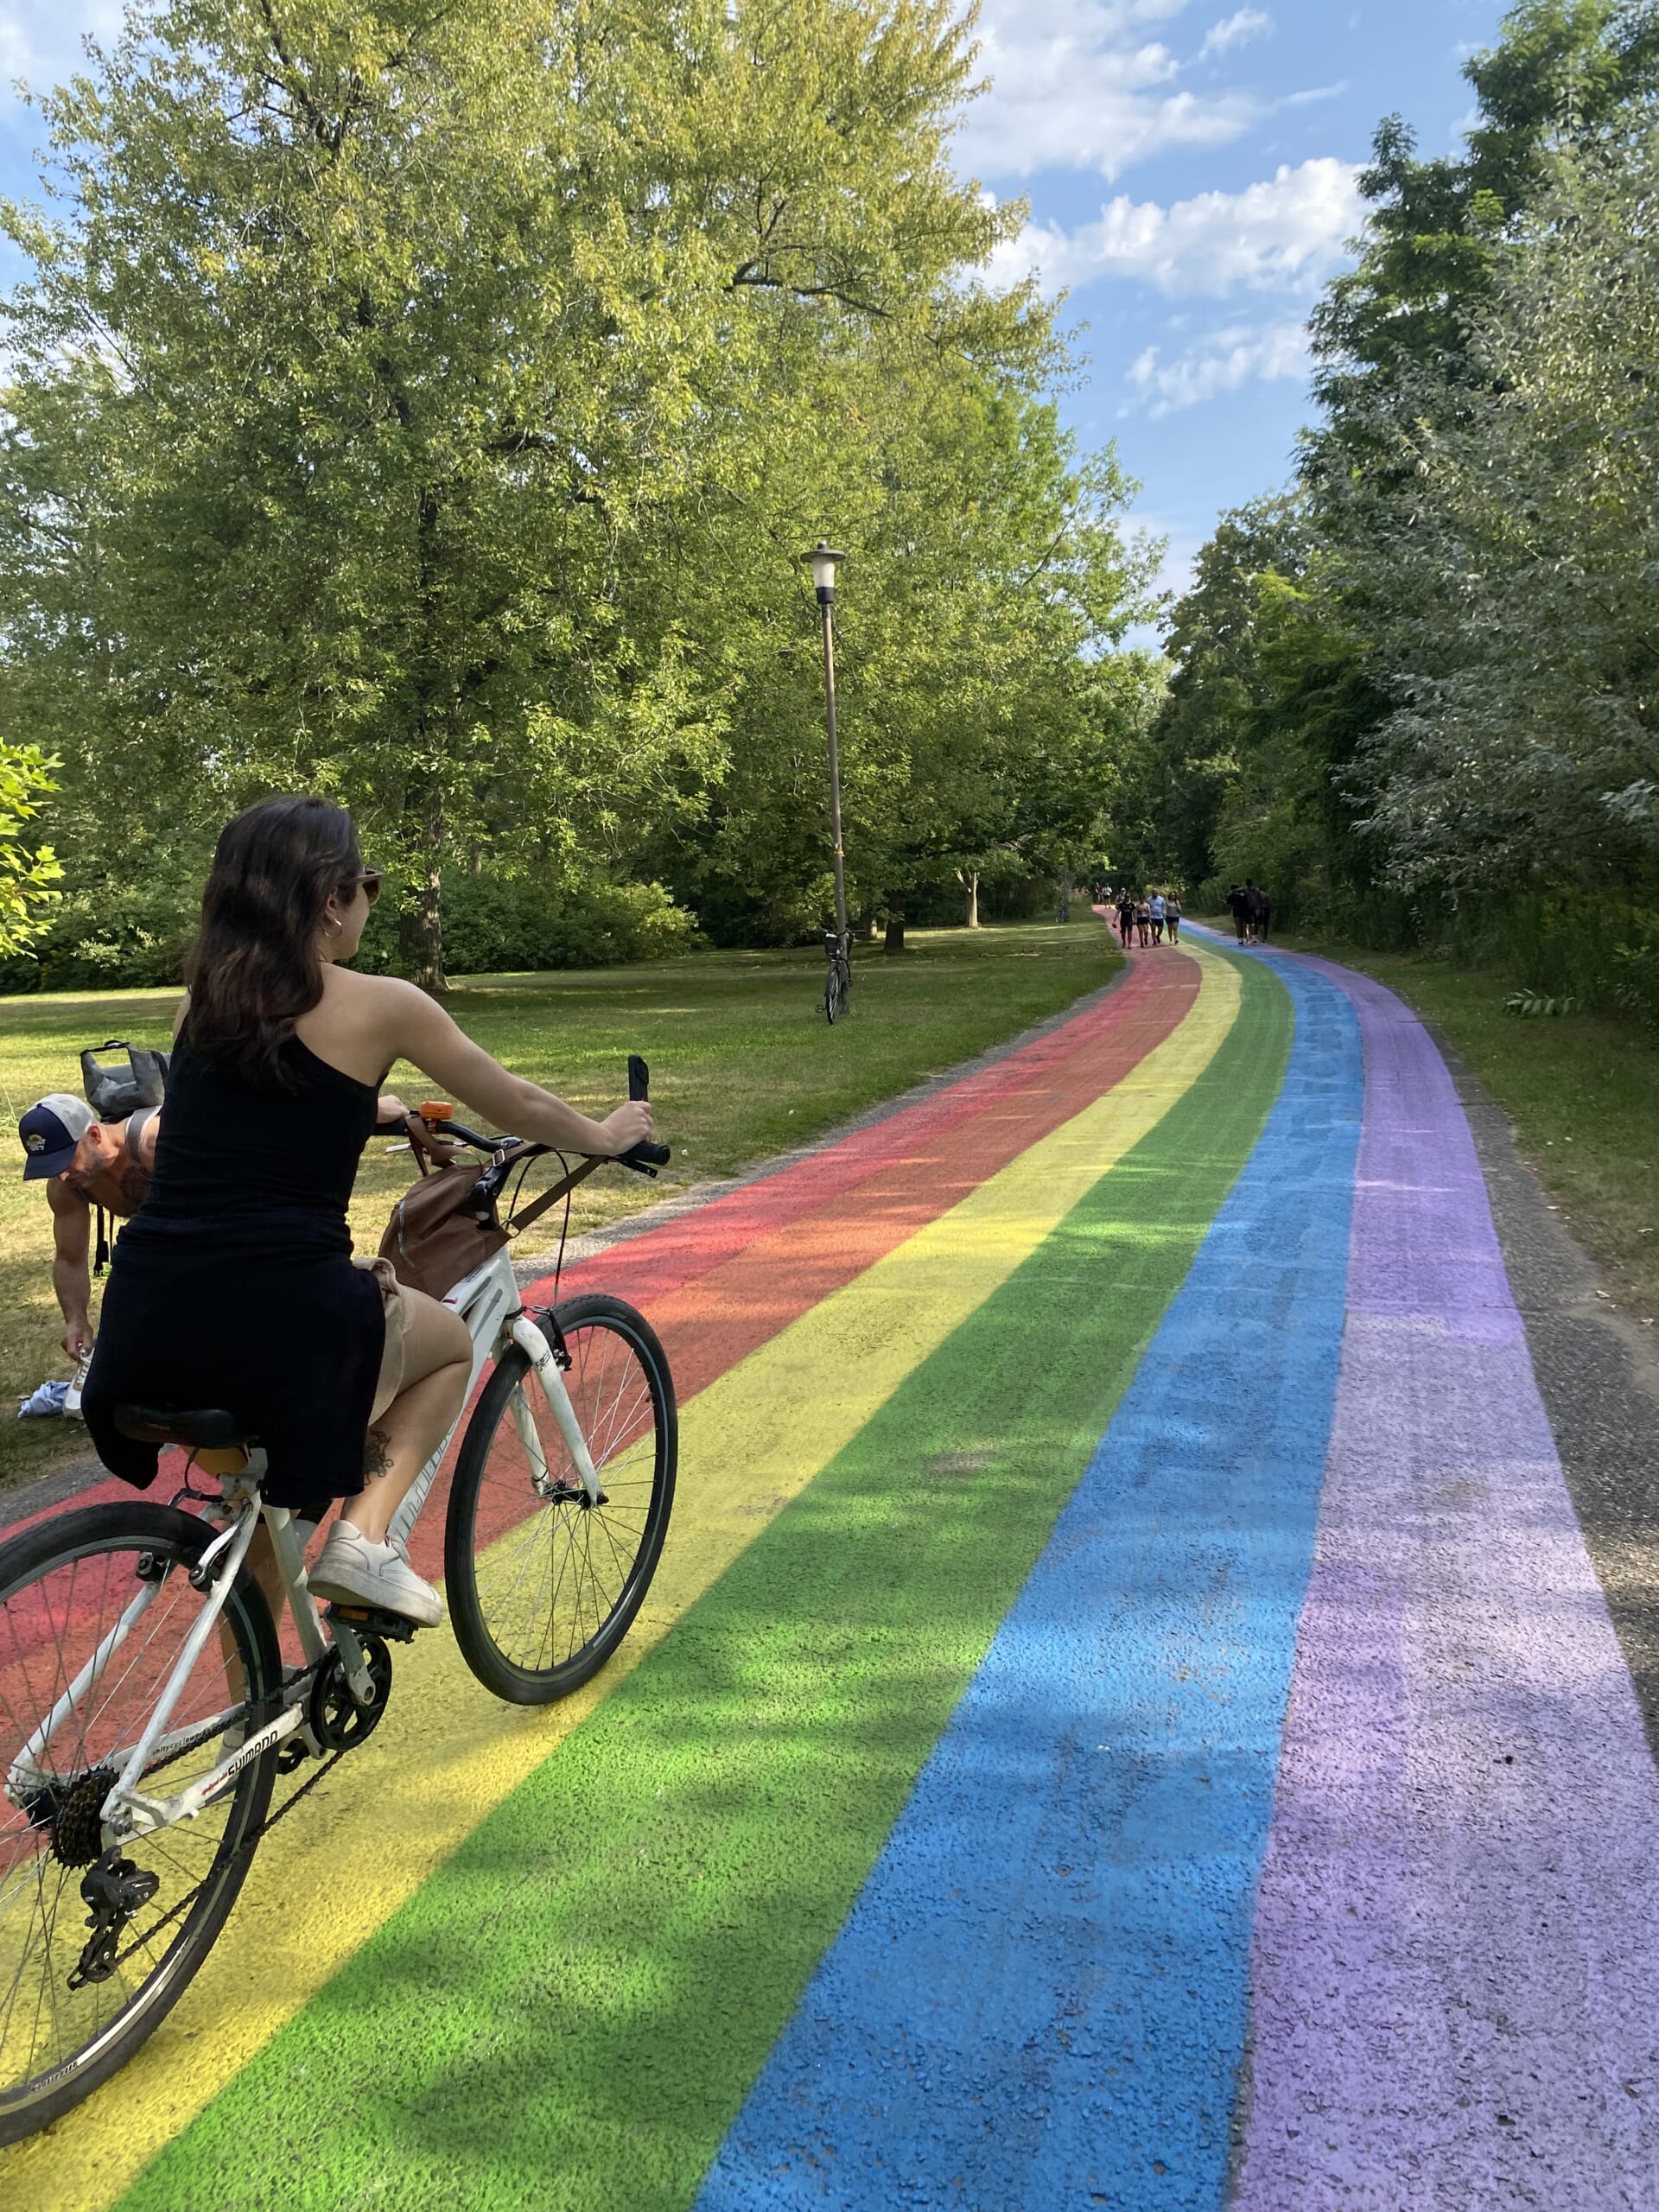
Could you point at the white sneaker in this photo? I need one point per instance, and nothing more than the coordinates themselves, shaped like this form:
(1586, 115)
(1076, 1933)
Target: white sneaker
(351, 1571)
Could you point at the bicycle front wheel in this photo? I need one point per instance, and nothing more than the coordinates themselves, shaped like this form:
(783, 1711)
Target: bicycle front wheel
(94, 1611)
(542, 1582)
(835, 993)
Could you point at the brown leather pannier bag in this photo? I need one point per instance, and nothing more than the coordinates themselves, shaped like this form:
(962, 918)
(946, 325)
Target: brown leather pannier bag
(442, 1228)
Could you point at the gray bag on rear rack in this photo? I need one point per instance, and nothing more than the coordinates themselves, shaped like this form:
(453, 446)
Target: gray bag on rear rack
(115, 1091)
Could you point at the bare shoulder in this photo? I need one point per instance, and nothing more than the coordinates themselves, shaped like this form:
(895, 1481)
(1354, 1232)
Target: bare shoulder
(365, 994)
(359, 1025)
(396, 1006)
(388, 1014)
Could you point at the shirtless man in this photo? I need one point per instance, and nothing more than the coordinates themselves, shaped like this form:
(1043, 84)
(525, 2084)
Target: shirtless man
(86, 1163)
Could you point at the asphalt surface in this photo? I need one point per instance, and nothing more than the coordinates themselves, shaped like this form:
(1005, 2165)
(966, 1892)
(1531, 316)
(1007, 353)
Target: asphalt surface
(1149, 1700)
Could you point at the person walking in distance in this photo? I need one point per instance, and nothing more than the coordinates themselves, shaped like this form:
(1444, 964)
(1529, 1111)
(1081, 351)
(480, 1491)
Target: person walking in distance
(1143, 921)
(1253, 916)
(1173, 917)
(1126, 916)
(1263, 916)
(1156, 908)
(1238, 905)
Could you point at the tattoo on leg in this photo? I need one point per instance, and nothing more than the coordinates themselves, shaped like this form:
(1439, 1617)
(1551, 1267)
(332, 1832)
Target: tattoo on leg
(377, 1453)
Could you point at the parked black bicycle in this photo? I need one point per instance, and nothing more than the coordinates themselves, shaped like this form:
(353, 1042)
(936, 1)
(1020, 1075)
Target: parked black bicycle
(838, 974)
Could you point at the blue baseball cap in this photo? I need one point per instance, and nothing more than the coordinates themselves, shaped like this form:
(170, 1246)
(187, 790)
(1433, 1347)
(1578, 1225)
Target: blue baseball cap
(50, 1130)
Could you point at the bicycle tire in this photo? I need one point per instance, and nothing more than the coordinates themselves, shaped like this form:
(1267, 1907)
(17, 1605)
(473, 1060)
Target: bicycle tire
(29, 1632)
(494, 1476)
(835, 994)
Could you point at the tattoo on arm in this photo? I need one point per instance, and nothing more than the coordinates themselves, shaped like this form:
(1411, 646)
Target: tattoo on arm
(377, 1453)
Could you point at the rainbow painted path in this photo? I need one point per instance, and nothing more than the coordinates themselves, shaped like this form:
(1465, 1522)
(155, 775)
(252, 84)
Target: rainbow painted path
(1127, 1716)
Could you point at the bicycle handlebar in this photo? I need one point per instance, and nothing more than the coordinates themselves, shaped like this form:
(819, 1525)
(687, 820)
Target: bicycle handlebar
(643, 1159)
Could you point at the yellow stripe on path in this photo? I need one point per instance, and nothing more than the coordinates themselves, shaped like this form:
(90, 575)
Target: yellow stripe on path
(447, 1753)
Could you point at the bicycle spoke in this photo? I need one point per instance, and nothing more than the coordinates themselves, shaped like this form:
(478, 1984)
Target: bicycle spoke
(55, 1620)
(550, 1578)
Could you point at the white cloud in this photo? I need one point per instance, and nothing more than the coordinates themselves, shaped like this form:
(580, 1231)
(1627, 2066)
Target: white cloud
(1314, 94)
(42, 41)
(1234, 30)
(1078, 85)
(1242, 353)
(1284, 233)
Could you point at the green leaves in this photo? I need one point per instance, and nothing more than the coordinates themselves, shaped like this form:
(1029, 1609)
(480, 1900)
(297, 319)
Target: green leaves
(428, 406)
(28, 878)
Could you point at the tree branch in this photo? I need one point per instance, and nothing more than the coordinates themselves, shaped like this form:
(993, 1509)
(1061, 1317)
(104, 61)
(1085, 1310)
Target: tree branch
(751, 275)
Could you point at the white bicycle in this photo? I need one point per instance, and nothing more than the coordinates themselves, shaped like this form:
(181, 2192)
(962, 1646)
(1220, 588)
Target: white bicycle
(147, 1704)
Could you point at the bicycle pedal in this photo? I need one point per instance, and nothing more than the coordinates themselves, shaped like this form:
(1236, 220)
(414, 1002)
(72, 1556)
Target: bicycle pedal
(369, 1620)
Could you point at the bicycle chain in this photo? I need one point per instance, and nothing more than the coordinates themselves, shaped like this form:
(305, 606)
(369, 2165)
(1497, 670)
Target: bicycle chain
(263, 1829)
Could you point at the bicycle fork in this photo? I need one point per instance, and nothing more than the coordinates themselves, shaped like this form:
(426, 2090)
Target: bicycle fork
(542, 1357)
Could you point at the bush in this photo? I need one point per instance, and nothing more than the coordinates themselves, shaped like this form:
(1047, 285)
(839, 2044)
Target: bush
(1600, 953)
(113, 937)
(517, 923)
(117, 935)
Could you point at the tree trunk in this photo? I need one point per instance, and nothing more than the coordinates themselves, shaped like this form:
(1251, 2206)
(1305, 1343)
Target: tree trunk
(1063, 899)
(894, 942)
(971, 879)
(419, 928)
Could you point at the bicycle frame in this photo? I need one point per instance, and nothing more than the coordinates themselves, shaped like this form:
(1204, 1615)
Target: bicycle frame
(488, 1301)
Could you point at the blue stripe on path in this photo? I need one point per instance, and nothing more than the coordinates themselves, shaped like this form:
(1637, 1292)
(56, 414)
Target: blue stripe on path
(1040, 1997)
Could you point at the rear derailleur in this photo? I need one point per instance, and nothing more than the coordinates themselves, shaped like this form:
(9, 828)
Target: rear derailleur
(115, 1889)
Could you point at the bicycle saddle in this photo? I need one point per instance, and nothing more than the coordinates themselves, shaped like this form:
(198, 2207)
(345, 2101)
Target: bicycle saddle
(200, 1428)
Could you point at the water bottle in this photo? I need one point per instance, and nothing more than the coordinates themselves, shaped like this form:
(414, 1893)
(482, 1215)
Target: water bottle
(76, 1384)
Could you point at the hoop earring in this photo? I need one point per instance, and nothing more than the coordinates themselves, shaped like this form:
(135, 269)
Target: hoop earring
(333, 928)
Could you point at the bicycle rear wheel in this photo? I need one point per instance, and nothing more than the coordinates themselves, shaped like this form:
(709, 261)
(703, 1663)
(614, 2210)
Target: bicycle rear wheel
(543, 1584)
(835, 993)
(65, 1589)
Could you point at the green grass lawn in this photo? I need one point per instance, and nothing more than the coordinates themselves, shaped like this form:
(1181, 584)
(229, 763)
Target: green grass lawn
(1582, 1090)
(743, 1066)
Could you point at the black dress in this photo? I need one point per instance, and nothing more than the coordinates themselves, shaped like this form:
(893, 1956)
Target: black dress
(233, 1285)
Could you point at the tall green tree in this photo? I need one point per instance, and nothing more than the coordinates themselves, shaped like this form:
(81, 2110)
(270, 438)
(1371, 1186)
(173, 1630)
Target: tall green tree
(1565, 73)
(1510, 601)
(388, 373)
(1268, 702)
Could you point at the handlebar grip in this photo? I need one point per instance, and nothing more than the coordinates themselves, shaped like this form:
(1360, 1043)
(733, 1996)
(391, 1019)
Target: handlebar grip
(639, 1077)
(645, 1159)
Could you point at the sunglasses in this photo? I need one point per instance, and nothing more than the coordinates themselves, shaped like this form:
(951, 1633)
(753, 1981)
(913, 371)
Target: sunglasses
(368, 883)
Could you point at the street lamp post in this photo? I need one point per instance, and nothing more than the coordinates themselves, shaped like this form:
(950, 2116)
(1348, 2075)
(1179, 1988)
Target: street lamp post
(822, 560)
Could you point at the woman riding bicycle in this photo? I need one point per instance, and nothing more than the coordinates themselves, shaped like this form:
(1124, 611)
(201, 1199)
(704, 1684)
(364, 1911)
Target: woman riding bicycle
(234, 1286)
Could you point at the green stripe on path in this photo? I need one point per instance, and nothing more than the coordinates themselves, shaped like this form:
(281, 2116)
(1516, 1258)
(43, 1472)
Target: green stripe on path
(570, 2012)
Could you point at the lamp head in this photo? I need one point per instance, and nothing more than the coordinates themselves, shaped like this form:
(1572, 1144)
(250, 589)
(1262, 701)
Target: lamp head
(822, 561)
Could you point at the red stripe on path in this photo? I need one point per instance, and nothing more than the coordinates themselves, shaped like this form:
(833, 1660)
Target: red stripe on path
(1151, 1000)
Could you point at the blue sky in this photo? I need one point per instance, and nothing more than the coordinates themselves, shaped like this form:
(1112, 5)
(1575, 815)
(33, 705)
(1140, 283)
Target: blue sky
(1190, 169)
(1189, 165)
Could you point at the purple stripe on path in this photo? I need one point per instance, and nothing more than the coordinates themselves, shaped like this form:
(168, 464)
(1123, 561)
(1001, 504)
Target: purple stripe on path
(1455, 1968)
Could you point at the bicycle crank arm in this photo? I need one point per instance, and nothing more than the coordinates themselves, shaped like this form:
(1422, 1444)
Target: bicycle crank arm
(530, 1338)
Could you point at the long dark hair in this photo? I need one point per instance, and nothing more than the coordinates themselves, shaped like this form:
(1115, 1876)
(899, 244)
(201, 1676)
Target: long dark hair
(254, 968)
